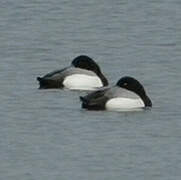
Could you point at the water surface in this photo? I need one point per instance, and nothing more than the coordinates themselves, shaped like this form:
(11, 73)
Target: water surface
(45, 134)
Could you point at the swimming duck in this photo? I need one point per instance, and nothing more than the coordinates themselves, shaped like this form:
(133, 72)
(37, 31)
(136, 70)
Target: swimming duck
(128, 94)
(83, 74)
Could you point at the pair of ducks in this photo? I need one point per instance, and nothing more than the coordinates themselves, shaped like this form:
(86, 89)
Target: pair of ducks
(85, 74)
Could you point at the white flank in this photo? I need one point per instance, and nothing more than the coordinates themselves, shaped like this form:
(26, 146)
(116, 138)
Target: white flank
(82, 82)
(124, 104)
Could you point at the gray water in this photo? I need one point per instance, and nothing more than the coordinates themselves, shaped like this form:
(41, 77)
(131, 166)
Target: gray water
(44, 134)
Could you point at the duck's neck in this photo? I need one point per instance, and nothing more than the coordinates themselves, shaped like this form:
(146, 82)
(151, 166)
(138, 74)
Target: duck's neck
(103, 78)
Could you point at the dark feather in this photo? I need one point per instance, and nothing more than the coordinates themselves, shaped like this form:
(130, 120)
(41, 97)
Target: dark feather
(95, 100)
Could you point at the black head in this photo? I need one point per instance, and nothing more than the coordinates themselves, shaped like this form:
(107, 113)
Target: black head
(85, 62)
(131, 84)
(135, 86)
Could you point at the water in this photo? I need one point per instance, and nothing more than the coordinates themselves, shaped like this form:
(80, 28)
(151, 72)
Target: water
(45, 134)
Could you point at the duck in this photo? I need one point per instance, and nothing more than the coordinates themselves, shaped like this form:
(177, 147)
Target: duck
(83, 74)
(127, 95)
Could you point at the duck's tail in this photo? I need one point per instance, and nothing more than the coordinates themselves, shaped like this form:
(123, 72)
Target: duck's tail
(85, 103)
(47, 83)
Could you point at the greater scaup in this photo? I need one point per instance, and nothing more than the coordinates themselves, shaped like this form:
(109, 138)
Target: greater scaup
(83, 74)
(128, 94)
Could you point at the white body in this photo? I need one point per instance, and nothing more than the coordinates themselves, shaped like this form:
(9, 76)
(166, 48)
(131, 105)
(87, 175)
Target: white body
(82, 82)
(124, 104)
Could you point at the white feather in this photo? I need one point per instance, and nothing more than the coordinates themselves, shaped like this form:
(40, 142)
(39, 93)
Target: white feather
(82, 81)
(124, 104)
